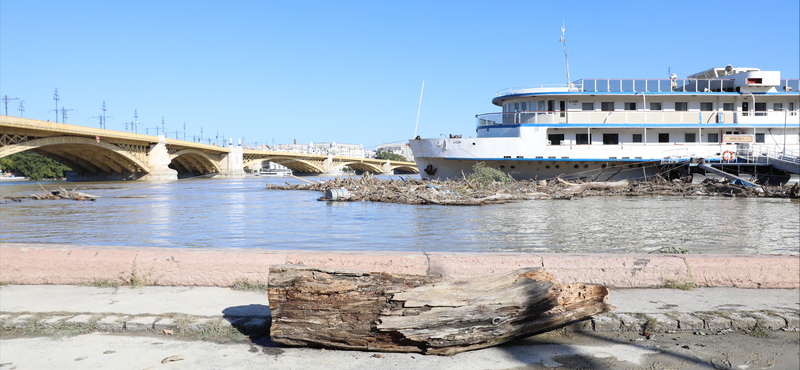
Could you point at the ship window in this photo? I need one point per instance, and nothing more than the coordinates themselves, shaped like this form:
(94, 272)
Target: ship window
(760, 138)
(681, 106)
(607, 106)
(637, 138)
(541, 105)
(551, 105)
(588, 106)
(777, 106)
(516, 107)
(610, 139)
(791, 109)
(727, 106)
(713, 138)
(689, 137)
(630, 106)
(524, 106)
(655, 106)
(663, 137)
(761, 107)
(706, 106)
(582, 139)
(555, 139)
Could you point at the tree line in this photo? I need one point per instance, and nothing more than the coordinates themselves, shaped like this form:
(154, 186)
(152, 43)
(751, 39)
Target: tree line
(33, 166)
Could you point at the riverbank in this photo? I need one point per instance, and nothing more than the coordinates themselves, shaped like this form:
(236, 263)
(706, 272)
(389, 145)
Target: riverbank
(81, 327)
(77, 307)
(482, 191)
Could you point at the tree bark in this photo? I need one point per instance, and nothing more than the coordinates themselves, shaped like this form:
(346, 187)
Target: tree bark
(379, 311)
(622, 184)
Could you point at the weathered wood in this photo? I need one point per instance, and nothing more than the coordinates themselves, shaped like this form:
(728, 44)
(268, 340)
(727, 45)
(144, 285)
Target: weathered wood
(380, 311)
(597, 185)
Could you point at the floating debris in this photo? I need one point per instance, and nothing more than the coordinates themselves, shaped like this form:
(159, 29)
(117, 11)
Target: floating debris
(466, 192)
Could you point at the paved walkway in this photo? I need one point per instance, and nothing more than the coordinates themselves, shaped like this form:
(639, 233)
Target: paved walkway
(699, 308)
(35, 317)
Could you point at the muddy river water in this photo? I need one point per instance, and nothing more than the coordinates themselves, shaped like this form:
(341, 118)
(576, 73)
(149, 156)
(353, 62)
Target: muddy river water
(241, 213)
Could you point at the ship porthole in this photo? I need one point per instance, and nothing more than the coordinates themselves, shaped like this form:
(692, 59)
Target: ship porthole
(512, 167)
(548, 166)
(585, 166)
(501, 167)
(603, 166)
(576, 166)
(558, 166)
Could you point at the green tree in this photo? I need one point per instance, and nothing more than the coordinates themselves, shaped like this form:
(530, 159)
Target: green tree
(382, 154)
(33, 166)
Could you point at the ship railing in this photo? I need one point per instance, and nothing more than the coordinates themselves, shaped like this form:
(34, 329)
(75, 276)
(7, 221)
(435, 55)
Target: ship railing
(622, 85)
(638, 117)
(573, 87)
(675, 156)
(767, 153)
(669, 85)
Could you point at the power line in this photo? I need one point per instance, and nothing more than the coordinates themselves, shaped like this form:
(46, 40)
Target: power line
(56, 98)
(64, 114)
(6, 99)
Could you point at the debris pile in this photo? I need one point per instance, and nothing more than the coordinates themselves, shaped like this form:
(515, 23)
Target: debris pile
(472, 192)
(59, 193)
(62, 193)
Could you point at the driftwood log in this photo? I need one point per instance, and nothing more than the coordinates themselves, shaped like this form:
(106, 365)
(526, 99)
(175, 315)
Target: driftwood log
(380, 311)
(578, 188)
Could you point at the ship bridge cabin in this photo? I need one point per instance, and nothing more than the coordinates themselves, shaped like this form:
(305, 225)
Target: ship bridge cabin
(714, 107)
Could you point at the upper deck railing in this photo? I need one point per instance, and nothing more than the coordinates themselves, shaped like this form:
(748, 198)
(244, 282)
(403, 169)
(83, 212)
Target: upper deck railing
(620, 85)
(639, 117)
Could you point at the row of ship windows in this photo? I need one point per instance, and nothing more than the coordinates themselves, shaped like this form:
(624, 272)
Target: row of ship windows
(549, 105)
(613, 139)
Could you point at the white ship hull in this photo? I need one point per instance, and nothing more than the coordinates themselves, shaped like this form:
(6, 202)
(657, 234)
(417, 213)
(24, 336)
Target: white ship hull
(604, 129)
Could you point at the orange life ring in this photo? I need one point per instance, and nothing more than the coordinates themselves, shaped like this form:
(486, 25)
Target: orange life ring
(727, 156)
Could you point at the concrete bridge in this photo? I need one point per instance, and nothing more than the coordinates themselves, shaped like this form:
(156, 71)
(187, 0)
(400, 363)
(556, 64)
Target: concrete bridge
(97, 154)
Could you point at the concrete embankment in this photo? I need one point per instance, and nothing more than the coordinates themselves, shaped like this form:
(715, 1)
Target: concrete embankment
(46, 321)
(68, 264)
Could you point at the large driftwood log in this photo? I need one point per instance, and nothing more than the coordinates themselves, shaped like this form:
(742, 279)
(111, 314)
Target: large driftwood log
(622, 184)
(379, 311)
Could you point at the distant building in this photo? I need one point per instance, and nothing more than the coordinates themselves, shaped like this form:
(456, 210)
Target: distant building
(332, 148)
(402, 149)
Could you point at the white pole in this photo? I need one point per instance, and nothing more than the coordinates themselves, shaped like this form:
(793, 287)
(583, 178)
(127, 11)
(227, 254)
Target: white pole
(419, 107)
(785, 113)
(564, 40)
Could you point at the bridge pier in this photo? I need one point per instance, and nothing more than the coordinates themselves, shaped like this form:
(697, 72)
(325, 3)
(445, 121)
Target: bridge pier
(158, 161)
(232, 164)
(387, 168)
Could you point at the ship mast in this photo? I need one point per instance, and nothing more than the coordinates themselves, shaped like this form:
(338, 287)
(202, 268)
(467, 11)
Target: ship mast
(564, 40)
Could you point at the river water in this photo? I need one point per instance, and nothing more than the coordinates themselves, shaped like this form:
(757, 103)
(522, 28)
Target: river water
(241, 213)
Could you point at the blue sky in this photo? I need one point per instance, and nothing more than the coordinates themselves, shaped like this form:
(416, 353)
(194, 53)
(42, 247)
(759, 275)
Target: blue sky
(351, 71)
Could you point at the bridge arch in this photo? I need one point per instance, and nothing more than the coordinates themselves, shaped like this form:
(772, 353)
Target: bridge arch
(300, 165)
(405, 169)
(361, 166)
(193, 160)
(82, 154)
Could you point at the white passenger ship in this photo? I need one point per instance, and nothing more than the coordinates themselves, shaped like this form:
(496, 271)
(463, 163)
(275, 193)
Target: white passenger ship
(627, 128)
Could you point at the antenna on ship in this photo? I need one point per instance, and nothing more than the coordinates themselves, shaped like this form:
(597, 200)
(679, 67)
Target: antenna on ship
(564, 40)
(419, 107)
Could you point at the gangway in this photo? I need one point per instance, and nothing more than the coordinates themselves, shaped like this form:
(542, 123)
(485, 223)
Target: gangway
(734, 179)
(784, 160)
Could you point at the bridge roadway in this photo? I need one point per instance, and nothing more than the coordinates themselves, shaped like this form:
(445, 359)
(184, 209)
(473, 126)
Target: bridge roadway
(98, 154)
